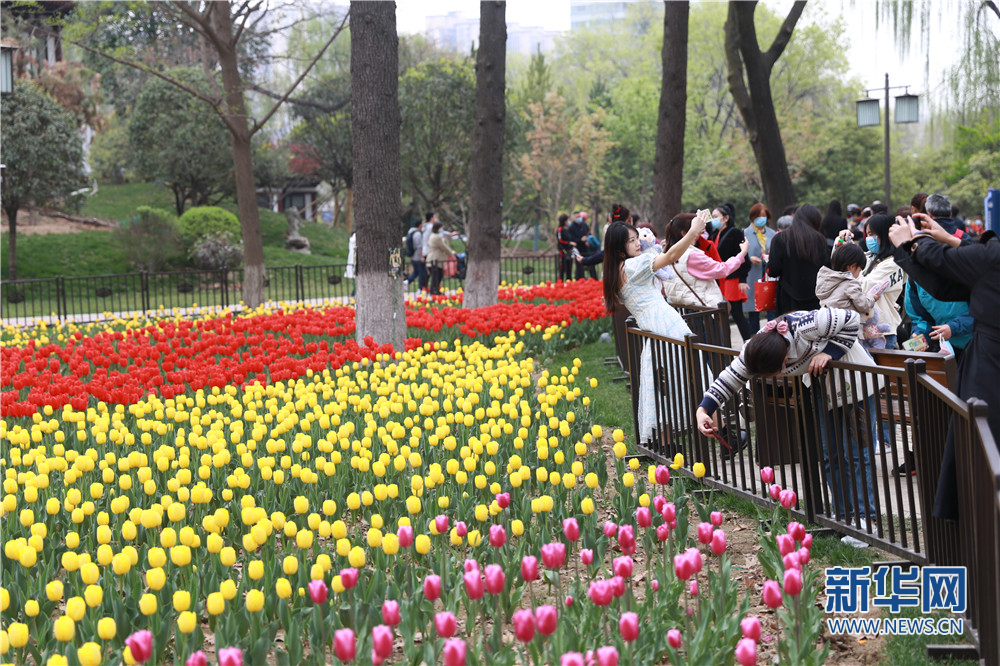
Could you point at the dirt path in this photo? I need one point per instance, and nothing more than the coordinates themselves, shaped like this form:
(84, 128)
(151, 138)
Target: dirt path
(41, 223)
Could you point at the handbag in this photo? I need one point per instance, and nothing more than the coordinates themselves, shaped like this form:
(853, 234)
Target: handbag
(731, 290)
(765, 294)
(451, 267)
(839, 392)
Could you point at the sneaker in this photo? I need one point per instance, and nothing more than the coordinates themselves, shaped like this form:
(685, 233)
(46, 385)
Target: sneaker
(738, 440)
(908, 467)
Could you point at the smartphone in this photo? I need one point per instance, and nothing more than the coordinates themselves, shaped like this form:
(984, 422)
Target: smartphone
(917, 343)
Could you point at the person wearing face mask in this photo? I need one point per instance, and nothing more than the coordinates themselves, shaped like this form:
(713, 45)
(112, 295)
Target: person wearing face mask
(759, 234)
(729, 240)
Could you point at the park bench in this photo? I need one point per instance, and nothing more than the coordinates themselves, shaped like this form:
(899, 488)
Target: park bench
(942, 368)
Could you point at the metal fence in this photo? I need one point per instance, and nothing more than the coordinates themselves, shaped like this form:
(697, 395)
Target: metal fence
(84, 299)
(863, 471)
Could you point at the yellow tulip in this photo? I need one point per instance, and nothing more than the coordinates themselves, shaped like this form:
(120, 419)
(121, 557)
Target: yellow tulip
(255, 570)
(215, 603)
(283, 588)
(93, 595)
(31, 608)
(17, 633)
(357, 557)
(423, 544)
(156, 578)
(89, 654)
(255, 601)
(698, 469)
(304, 539)
(106, 628)
(227, 556)
(54, 591)
(64, 628)
(147, 604)
(75, 608)
(89, 573)
(187, 622)
(228, 589)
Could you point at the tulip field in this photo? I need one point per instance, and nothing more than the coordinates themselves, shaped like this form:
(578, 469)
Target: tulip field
(261, 489)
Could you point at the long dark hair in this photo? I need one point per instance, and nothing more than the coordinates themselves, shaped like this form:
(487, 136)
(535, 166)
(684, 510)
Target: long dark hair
(677, 228)
(804, 238)
(765, 352)
(615, 240)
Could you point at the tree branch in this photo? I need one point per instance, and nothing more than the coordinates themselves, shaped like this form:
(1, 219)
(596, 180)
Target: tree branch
(784, 34)
(737, 85)
(299, 101)
(989, 4)
(291, 88)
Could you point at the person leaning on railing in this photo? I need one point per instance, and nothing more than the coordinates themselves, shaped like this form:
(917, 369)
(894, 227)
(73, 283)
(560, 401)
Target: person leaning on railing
(951, 269)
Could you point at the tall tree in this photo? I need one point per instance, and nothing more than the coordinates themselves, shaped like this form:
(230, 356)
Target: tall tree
(375, 126)
(668, 164)
(750, 83)
(42, 154)
(486, 167)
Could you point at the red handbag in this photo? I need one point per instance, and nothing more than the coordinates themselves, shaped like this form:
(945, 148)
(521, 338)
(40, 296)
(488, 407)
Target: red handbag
(731, 290)
(765, 294)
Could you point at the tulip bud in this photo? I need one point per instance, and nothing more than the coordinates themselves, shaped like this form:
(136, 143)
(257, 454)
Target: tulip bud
(655, 585)
(705, 533)
(432, 587)
(658, 503)
(345, 645)
(607, 655)
(662, 475)
(669, 512)
(503, 500)
(618, 586)
(772, 594)
(786, 544)
(716, 518)
(746, 652)
(622, 566)
(791, 561)
(198, 658)
(774, 491)
(405, 536)
(495, 579)
(461, 529)
(571, 529)
(554, 554)
(719, 542)
(231, 656)
(445, 624)
(390, 612)
(600, 592)
(807, 541)
(750, 626)
(571, 659)
(796, 530)
(317, 591)
(693, 588)
(473, 584)
(382, 637)
(529, 568)
(643, 516)
(498, 536)
(793, 582)
(524, 625)
(610, 529)
(662, 532)
(804, 555)
(626, 539)
(441, 523)
(141, 645)
(569, 600)
(349, 578)
(674, 638)
(683, 567)
(546, 618)
(628, 625)
(788, 498)
(767, 475)
(454, 652)
(587, 556)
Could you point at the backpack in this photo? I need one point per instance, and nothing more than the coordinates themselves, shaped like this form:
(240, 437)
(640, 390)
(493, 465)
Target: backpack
(409, 242)
(593, 242)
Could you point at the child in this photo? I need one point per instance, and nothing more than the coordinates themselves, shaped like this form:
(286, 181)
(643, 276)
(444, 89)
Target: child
(839, 287)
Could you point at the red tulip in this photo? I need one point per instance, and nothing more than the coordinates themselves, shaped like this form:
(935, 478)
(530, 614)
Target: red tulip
(197, 659)
(796, 530)
(569, 600)
(716, 518)
(705, 533)
(628, 625)
(786, 544)
(662, 475)
(600, 592)
(804, 555)
(669, 512)
(622, 566)
(750, 626)
(317, 591)
(767, 475)
(626, 539)
(788, 498)
(554, 554)
(793, 582)
(643, 516)
(546, 618)
(524, 625)
(607, 656)
(746, 652)
(719, 542)
(405, 536)
(503, 500)
(141, 645)
(445, 624)
(382, 638)
(693, 588)
(454, 652)
(441, 523)
(807, 541)
(571, 659)
(658, 503)
(231, 656)
(571, 529)
(662, 531)
(390, 612)
(345, 645)
(683, 567)
(774, 491)
(791, 561)
(610, 529)
(432, 587)
(461, 529)
(617, 586)
(674, 638)
(772, 594)
(587, 556)
(529, 568)
(349, 577)
(495, 579)
(498, 536)
(473, 584)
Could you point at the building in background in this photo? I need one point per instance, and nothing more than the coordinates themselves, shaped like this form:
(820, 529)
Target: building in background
(459, 33)
(588, 14)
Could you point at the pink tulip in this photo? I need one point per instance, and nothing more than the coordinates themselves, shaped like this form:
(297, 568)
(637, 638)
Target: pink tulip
(772, 594)
(693, 588)
(495, 579)
(441, 523)
(554, 554)
(719, 542)
(461, 529)
(658, 503)
(672, 524)
(804, 555)
(571, 659)
(349, 577)
(695, 558)
(622, 566)
(807, 541)
(376, 659)
(405, 536)
(746, 652)
(473, 584)
(445, 624)
(750, 626)
(788, 498)
(767, 475)
(716, 518)
(587, 556)
(529, 568)
(610, 529)
(655, 585)
(786, 544)
(546, 618)
(705, 532)
(774, 491)
(662, 475)
(524, 625)
(317, 591)
(503, 500)
(231, 656)
(607, 655)
(498, 536)
(141, 645)
(600, 592)
(791, 561)
(390, 612)
(197, 659)
(683, 567)
(471, 565)
(669, 512)
(382, 637)
(571, 529)
(628, 625)
(617, 586)
(454, 652)
(674, 638)
(626, 539)
(663, 532)
(432, 587)
(793, 582)
(643, 517)
(345, 645)
(796, 530)
(569, 600)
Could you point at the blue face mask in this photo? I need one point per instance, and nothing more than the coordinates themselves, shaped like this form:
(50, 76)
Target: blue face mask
(760, 221)
(716, 222)
(873, 244)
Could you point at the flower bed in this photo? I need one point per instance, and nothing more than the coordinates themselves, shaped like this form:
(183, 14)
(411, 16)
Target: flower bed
(447, 503)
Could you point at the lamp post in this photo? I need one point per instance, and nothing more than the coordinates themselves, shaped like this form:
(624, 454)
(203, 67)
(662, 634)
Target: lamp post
(907, 111)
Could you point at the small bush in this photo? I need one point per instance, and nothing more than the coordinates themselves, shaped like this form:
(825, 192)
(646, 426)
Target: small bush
(151, 239)
(203, 220)
(217, 251)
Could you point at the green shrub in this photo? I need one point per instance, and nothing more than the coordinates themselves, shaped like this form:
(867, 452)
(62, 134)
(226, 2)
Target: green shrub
(151, 239)
(202, 220)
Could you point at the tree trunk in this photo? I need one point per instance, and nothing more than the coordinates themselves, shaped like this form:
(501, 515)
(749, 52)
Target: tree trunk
(668, 164)
(486, 166)
(375, 126)
(12, 241)
(349, 214)
(246, 190)
(753, 96)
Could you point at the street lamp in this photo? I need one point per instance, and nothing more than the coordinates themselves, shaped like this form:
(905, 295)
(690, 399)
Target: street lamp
(907, 111)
